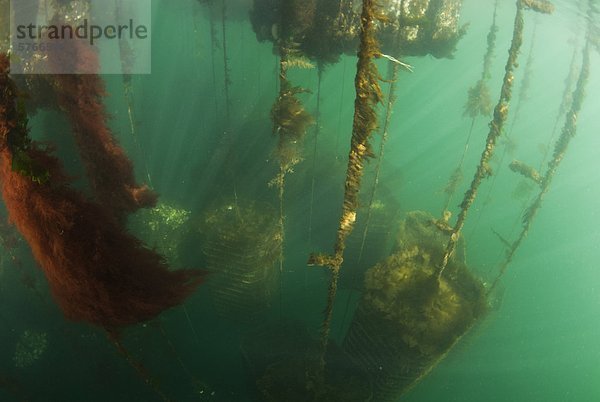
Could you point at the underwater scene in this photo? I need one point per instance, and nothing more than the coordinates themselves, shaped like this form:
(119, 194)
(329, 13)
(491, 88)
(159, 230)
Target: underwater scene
(300, 200)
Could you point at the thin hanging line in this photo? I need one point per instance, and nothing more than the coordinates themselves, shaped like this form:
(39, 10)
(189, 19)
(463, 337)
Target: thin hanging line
(314, 162)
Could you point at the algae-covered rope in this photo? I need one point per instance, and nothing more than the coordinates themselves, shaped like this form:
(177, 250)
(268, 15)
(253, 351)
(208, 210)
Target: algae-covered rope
(525, 83)
(368, 96)
(560, 147)
(280, 181)
(478, 103)
(565, 103)
(391, 99)
(496, 125)
(393, 70)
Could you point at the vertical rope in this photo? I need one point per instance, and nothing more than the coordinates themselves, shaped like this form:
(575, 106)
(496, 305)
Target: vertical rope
(496, 125)
(508, 134)
(315, 144)
(568, 132)
(478, 104)
(368, 96)
(137, 365)
(213, 43)
(339, 125)
(290, 122)
(456, 176)
(226, 72)
(393, 70)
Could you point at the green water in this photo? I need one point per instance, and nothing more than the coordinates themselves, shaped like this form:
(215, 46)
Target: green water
(538, 343)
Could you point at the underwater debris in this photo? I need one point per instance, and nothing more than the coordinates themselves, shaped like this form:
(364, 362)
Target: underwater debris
(30, 347)
(406, 66)
(97, 272)
(406, 321)
(525, 170)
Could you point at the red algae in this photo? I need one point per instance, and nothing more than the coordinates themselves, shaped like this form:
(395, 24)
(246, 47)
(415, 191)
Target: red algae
(98, 273)
(80, 96)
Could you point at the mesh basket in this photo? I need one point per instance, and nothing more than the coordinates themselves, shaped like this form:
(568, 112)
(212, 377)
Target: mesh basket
(407, 319)
(241, 247)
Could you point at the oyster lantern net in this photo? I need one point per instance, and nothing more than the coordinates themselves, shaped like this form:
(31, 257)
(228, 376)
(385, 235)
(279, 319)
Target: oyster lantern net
(406, 322)
(242, 248)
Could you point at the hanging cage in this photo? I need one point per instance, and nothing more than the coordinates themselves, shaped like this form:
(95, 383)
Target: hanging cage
(241, 246)
(407, 319)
